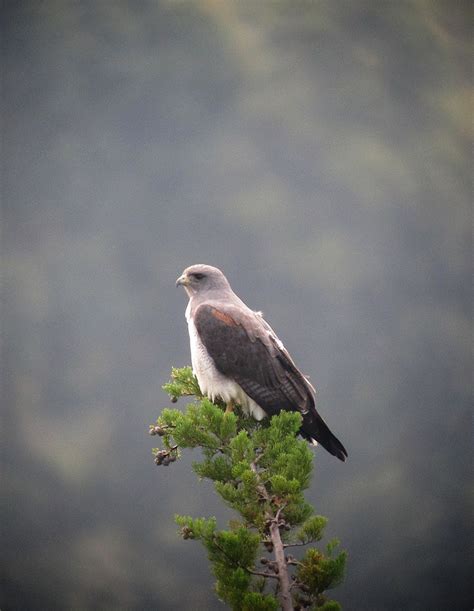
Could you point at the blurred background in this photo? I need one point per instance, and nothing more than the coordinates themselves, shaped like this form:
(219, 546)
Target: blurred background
(319, 153)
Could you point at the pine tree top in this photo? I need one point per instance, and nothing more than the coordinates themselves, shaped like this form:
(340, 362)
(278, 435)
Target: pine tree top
(260, 470)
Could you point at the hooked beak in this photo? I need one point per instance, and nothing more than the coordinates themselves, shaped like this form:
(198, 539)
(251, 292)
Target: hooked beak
(182, 281)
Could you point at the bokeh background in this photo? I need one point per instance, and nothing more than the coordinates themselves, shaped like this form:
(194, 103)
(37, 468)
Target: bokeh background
(318, 152)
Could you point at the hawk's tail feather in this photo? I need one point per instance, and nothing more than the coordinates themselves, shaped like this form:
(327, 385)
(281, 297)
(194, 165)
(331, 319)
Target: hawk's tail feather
(315, 429)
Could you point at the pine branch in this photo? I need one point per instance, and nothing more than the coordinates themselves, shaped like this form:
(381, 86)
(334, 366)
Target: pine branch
(245, 568)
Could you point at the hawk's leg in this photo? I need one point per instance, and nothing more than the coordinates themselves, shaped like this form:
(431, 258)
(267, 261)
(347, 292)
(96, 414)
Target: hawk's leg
(230, 407)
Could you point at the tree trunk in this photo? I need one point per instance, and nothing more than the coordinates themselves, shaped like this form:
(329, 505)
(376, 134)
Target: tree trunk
(283, 577)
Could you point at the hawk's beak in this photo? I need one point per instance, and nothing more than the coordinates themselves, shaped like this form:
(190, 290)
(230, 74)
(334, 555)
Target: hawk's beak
(182, 281)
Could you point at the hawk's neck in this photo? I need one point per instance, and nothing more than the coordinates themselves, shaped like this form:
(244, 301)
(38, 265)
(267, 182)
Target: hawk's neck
(220, 299)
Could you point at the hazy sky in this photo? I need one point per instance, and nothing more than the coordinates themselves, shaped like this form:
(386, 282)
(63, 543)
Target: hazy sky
(319, 153)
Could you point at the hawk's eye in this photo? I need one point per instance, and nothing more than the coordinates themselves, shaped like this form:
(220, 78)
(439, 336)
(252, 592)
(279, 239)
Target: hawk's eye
(198, 276)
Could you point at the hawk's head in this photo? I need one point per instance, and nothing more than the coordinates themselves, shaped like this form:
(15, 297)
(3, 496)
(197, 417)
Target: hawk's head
(201, 278)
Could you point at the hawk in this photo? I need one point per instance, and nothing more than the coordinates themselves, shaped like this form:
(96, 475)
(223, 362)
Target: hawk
(237, 356)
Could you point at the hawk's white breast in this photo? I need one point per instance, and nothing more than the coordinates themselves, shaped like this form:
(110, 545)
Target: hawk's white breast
(211, 381)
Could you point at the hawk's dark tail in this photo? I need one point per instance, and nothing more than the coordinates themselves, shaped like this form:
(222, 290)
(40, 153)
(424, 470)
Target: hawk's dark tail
(314, 427)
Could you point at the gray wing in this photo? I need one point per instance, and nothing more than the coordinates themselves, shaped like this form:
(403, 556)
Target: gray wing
(244, 349)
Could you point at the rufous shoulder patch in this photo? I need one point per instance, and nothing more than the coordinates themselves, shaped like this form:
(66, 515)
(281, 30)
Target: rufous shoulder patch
(225, 318)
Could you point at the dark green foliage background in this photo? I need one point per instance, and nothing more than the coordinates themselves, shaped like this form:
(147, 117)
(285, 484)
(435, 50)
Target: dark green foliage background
(319, 153)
